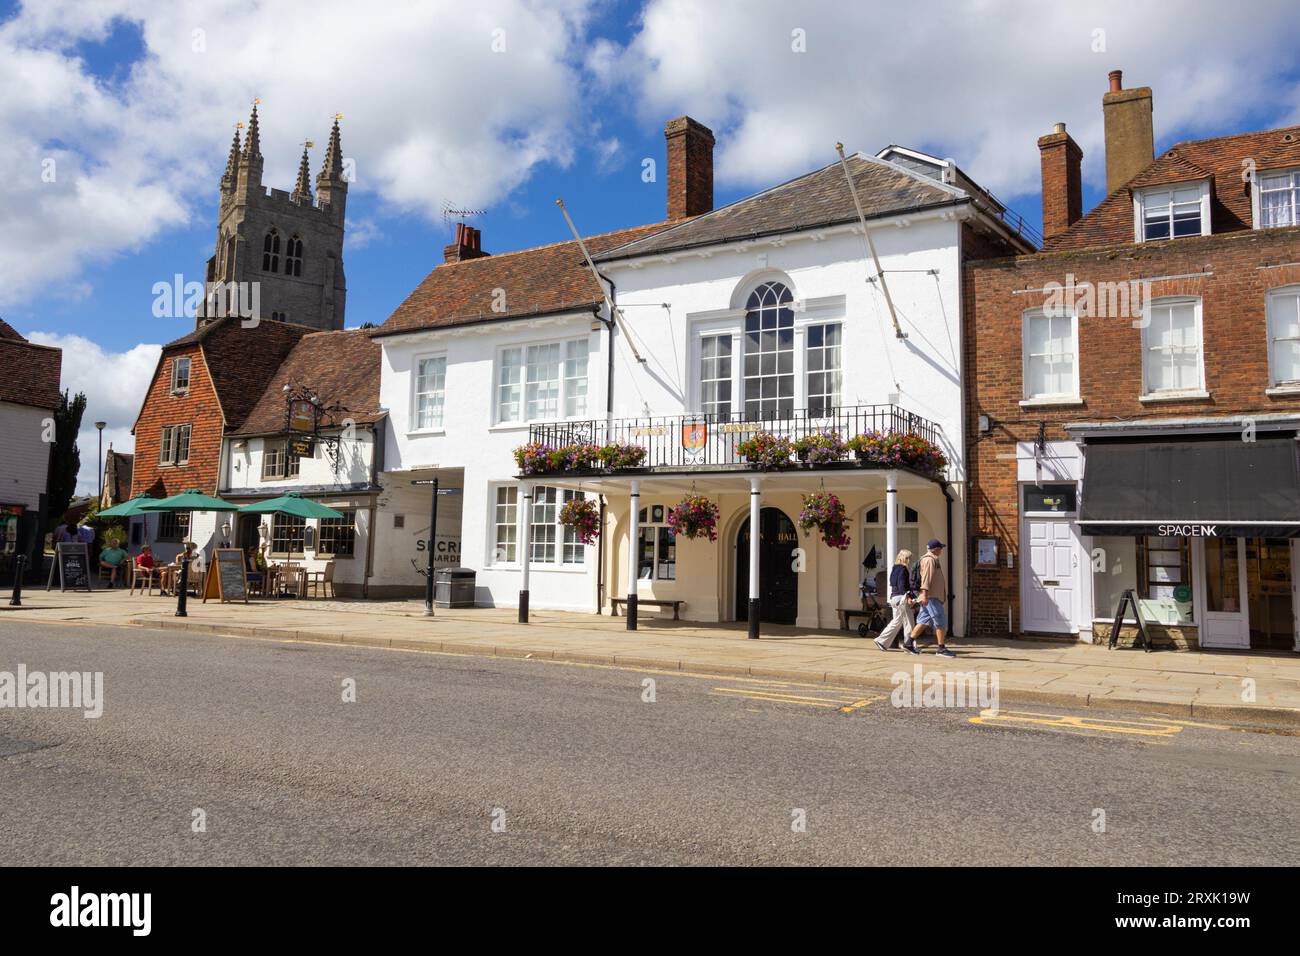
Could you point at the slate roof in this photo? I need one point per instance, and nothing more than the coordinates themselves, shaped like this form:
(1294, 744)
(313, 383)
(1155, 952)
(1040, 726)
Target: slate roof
(340, 367)
(29, 373)
(820, 198)
(541, 281)
(1220, 159)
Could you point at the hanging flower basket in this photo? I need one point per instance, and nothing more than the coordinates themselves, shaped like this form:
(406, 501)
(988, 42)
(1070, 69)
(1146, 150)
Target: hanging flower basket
(695, 516)
(766, 450)
(824, 511)
(821, 448)
(582, 515)
(906, 449)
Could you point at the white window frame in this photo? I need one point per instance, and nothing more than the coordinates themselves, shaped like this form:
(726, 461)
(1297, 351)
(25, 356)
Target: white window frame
(169, 444)
(441, 424)
(1277, 385)
(494, 526)
(1256, 193)
(830, 310)
(656, 528)
(290, 465)
(176, 365)
(565, 398)
(1142, 197)
(837, 395)
(1055, 397)
(1196, 391)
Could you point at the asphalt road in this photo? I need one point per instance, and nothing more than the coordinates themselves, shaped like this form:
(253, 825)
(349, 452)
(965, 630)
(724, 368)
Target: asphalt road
(578, 769)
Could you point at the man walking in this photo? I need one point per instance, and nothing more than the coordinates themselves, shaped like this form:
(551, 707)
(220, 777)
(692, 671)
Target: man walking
(934, 590)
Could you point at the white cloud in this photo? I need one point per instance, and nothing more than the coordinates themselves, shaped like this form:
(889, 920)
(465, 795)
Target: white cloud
(431, 112)
(114, 383)
(979, 81)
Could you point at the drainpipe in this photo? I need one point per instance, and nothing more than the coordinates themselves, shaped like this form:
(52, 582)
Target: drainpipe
(947, 495)
(600, 561)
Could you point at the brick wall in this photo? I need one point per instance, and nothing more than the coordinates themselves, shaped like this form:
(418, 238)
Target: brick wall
(197, 408)
(1235, 348)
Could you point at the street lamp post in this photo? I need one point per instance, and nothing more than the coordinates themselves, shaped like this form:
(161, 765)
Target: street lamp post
(100, 427)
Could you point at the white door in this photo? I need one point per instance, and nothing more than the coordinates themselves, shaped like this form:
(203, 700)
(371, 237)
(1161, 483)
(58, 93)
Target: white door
(1227, 621)
(1050, 588)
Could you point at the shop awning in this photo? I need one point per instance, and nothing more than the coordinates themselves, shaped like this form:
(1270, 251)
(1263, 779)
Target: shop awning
(1191, 488)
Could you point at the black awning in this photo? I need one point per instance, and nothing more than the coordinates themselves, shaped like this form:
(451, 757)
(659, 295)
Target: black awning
(1192, 488)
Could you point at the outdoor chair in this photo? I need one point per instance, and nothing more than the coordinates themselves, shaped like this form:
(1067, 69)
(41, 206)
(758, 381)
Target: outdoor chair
(144, 578)
(322, 581)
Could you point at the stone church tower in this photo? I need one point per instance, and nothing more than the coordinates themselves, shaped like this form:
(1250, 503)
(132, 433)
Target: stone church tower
(288, 243)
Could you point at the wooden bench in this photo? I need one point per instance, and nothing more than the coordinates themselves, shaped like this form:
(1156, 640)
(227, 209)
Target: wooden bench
(642, 602)
(847, 614)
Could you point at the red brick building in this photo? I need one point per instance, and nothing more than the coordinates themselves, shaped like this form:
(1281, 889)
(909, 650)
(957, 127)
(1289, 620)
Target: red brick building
(204, 387)
(1134, 396)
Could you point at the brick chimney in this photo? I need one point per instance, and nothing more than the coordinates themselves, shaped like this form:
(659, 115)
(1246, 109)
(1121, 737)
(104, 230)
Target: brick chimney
(1130, 139)
(690, 167)
(466, 246)
(1060, 158)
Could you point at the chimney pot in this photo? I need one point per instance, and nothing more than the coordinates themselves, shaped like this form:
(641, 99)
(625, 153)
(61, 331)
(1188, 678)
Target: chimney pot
(1060, 128)
(1116, 80)
(690, 167)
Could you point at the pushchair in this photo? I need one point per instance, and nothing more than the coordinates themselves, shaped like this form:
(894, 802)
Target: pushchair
(878, 612)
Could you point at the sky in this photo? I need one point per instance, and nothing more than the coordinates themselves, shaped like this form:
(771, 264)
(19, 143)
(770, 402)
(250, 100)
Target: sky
(116, 118)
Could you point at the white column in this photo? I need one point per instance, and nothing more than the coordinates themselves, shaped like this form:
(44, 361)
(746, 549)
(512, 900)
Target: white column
(524, 538)
(633, 542)
(891, 525)
(755, 514)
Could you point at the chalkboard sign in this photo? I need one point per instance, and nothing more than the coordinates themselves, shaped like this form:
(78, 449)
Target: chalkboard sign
(226, 577)
(72, 563)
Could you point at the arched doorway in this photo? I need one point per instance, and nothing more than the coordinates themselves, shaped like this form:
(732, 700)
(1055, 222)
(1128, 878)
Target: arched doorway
(778, 591)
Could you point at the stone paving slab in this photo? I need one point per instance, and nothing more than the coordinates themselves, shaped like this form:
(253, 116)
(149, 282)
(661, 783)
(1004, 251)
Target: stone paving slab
(1181, 684)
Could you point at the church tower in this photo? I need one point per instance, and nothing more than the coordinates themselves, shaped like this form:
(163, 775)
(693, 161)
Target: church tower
(289, 244)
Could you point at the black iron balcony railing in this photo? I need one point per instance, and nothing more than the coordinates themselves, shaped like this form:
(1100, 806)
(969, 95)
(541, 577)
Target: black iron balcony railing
(689, 441)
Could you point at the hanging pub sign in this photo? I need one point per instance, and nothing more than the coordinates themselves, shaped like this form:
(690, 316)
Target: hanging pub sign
(302, 447)
(303, 415)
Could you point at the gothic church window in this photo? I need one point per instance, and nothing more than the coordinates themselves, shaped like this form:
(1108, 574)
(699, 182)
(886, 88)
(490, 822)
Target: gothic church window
(293, 256)
(271, 252)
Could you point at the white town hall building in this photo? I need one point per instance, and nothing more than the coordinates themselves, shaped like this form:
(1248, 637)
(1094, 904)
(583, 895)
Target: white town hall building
(735, 332)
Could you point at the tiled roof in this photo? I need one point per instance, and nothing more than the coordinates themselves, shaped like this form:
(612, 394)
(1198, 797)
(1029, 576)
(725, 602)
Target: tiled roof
(29, 373)
(241, 360)
(117, 475)
(539, 281)
(820, 198)
(340, 367)
(1222, 158)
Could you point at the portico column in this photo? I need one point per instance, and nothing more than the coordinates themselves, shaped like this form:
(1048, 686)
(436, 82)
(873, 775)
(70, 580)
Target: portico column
(526, 511)
(891, 525)
(755, 512)
(633, 545)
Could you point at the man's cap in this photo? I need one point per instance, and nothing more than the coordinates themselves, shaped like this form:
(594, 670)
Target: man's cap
(934, 543)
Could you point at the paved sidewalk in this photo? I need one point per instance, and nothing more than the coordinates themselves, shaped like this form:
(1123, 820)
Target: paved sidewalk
(1190, 685)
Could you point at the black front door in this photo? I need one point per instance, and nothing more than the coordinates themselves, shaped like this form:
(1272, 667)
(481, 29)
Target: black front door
(778, 589)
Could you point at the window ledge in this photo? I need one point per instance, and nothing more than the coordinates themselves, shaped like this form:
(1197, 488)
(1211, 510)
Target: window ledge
(1292, 388)
(1197, 395)
(1062, 400)
(426, 432)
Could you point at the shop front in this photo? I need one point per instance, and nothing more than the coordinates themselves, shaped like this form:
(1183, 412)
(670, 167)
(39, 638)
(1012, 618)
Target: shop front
(1202, 528)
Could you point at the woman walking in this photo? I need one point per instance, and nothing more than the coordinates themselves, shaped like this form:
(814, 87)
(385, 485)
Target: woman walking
(900, 599)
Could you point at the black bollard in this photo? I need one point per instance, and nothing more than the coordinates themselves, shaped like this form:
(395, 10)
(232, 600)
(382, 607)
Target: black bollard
(17, 599)
(183, 588)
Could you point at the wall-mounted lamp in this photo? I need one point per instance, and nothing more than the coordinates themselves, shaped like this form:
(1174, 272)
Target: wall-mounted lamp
(986, 424)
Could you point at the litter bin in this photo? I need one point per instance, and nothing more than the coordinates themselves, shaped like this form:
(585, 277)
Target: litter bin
(454, 587)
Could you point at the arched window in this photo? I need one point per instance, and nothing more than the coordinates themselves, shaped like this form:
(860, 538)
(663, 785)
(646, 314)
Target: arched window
(769, 353)
(271, 252)
(873, 537)
(293, 256)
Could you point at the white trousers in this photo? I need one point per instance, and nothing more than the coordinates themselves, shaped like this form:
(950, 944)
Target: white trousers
(902, 619)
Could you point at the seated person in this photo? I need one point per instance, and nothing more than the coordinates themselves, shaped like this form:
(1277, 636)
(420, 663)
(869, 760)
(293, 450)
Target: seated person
(145, 558)
(253, 566)
(113, 558)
